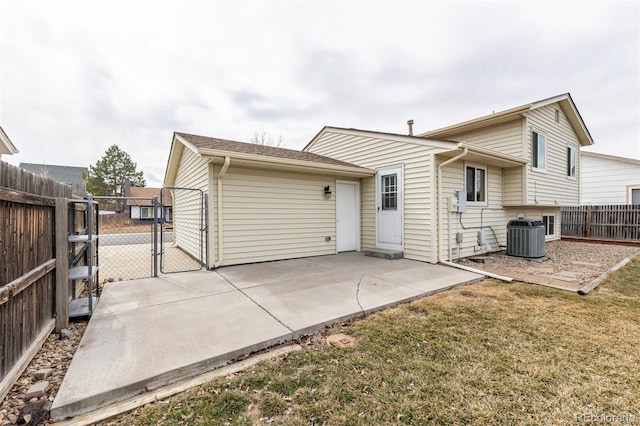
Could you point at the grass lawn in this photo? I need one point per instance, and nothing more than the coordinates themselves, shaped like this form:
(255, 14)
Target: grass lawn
(489, 353)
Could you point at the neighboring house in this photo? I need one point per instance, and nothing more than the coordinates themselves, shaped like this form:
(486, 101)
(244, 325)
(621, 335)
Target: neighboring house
(6, 146)
(143, 208)
(69, 175)
(386, 191)
(607, 179)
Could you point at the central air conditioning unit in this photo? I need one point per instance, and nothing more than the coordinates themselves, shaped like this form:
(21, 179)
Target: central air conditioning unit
(525, 238)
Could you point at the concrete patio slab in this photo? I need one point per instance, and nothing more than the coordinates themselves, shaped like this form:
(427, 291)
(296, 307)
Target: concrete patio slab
(146, 334)
(126, 295)
(245, 276)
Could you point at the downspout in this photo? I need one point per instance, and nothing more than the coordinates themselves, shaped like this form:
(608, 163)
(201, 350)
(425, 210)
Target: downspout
(225, 166)
(439, 239)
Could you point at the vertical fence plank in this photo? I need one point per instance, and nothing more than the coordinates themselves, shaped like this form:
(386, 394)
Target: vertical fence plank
(62, 264)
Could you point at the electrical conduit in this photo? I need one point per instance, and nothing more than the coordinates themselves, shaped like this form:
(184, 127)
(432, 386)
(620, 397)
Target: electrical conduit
(225, 166)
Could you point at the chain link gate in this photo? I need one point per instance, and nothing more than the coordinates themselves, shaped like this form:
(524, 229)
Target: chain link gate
(183, 233)
(126, 235)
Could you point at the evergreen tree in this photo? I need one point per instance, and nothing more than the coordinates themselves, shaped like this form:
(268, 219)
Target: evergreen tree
(109, 174)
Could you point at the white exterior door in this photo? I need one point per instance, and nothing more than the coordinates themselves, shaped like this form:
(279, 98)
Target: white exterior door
(347, 223)
(389, 210)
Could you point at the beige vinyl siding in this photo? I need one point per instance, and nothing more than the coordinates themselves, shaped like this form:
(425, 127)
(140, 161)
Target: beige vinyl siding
(368, 213)
(377, 152)
(494, 216)
(271, 215)
(192, 173)
(552, 187)
(505, 138)
(513, 186)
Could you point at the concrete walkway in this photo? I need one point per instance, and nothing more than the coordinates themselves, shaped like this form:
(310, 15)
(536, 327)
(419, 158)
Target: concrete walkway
(153, 332)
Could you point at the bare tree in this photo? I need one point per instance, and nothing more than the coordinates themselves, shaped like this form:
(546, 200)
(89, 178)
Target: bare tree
(261, 137)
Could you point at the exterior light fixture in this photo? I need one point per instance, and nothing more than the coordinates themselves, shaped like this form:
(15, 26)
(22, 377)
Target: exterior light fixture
(327, 192)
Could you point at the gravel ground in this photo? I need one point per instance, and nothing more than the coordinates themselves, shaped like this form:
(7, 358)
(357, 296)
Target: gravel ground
(55, 354)
(568, 265)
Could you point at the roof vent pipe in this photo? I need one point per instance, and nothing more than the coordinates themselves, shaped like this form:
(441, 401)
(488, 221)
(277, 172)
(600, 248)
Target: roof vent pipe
(410, 123)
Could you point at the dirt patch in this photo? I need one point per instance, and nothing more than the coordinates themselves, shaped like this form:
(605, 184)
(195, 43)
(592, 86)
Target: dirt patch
(567, 264)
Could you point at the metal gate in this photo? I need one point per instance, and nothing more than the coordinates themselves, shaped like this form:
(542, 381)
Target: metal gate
(126, 236)
(183, 229)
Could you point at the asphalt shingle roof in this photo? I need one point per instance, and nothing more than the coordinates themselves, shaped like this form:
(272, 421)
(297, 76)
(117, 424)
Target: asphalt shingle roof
(147, 192)
(203, 142)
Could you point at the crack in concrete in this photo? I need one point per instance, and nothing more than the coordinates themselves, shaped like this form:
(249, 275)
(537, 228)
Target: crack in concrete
(256, 303)
(358, 294)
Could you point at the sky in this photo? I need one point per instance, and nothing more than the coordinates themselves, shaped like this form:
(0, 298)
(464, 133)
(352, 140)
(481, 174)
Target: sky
(79, 76)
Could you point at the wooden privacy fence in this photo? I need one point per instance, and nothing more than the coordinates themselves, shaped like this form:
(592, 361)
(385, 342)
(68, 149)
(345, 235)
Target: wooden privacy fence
(607, 222)
(27, 265)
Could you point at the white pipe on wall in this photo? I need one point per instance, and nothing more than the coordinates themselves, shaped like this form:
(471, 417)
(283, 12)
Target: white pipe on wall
(225, 166)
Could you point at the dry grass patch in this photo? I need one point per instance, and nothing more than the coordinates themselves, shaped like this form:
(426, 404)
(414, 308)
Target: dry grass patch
(491, 353)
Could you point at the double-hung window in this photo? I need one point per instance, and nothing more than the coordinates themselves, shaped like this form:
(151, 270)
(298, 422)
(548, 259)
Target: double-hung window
(146, 212)
(571, 162)
(538, 150)
(476, 184)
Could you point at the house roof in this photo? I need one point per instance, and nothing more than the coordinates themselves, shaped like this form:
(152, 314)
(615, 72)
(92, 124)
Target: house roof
(147, 193)
(63, 174)
(6, 146)
(564, 101)
(610, 157)
(203, 142)
(253, 155)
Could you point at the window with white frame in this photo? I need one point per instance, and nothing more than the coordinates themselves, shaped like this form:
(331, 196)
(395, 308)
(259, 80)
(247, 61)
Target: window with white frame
(549, 221)
(146, 212)
(571, 162)
(476, 184)
(538, 150)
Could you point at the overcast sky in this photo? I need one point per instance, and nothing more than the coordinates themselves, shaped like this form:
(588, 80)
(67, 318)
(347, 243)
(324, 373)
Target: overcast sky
(78, 76)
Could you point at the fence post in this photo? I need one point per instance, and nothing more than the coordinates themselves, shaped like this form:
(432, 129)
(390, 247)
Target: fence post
(62, 264)
(588, 221)
(155, 234)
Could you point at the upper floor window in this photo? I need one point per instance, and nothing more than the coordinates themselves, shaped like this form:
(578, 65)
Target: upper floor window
(571, 162)
(538, 150)
(476, 184)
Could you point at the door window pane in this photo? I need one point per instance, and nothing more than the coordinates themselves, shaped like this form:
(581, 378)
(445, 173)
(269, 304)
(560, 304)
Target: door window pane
(389, 194)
